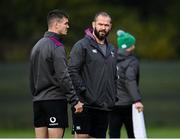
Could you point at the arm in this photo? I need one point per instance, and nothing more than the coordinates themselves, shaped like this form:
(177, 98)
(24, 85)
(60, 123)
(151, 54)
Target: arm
(62, 75)
(75, 64)
(132, 78)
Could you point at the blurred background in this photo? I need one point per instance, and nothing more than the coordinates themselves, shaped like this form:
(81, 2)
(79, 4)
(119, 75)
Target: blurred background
(155, 24)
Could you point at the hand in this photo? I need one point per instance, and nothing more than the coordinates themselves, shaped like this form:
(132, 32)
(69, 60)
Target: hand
(139, 106)
(78, 107)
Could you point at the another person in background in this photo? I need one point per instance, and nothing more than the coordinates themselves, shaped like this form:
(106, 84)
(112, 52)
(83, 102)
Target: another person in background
(127, 87)
(92, 68)
(50, 81)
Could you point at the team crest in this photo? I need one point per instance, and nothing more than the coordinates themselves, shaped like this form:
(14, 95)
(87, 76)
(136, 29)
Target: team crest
(112, 53)
(94, 51)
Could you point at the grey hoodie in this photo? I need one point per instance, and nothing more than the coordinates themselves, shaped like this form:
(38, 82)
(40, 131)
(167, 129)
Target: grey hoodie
(49, 77)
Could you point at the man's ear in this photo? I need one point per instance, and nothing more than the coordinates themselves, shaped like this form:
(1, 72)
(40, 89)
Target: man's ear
(93, 25)
(55, 24)
(110, 26)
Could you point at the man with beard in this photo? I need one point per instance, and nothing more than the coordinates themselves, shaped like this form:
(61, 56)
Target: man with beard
(92, 69)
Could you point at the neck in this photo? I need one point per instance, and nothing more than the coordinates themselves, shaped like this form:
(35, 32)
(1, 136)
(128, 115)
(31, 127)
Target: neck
(53, 30)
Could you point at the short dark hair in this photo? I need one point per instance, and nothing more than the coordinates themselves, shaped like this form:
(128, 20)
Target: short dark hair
(102, 13)
(56, 14)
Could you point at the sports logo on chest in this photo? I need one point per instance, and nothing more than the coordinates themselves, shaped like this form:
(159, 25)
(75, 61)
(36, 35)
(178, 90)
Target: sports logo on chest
(112, 54)
(94, 51)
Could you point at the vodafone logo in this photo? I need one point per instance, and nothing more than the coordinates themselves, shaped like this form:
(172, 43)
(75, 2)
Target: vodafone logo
(52, 119)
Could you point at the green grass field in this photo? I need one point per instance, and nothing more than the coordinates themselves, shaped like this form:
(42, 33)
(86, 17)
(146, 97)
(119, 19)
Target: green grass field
(151, 133)
(159, 85)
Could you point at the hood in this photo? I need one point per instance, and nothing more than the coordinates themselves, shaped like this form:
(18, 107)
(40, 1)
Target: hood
(89, 33)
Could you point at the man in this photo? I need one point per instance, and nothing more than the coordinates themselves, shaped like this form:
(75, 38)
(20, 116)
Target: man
(50, 81)
(128, 93)
(92, 70)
